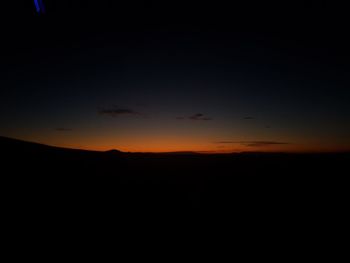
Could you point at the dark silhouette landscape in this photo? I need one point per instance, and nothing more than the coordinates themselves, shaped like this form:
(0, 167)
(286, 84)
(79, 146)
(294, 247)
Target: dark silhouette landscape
(51, 178)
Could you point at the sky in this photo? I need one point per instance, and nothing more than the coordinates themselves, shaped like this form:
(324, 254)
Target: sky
(161, 76)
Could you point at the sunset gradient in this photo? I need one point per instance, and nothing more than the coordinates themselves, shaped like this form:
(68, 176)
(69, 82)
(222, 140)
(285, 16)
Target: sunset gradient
(120, 76)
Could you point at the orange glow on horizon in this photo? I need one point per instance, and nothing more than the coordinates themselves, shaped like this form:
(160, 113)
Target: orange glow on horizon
(161, 144)
(205, 148)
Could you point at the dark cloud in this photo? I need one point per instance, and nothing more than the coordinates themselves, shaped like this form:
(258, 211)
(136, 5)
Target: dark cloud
(254, 143)
(116, 111)
(195, 117)
(63, 129)
(199, 117)
(248, 118)
(263, 143)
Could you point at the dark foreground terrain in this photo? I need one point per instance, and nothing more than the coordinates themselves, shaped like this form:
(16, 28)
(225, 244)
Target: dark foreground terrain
(45, 182)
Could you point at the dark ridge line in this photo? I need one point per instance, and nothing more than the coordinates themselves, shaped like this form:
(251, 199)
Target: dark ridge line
(176, 153)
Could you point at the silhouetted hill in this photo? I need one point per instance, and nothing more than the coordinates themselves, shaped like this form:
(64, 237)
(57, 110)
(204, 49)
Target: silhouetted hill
(20, 147)
(48, 180)
(9, 144)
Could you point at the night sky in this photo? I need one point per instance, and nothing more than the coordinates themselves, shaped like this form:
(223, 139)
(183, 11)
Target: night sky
(165, 76)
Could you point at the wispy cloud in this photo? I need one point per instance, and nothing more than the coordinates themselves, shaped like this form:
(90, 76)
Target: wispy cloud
(117, 111)
(199, 117)
(254, 143)
(63, 129)
(263, 143)
(195, 117)
(248, 118)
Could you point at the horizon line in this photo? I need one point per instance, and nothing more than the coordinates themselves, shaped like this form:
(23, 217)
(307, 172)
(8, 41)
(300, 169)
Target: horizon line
(179, 152)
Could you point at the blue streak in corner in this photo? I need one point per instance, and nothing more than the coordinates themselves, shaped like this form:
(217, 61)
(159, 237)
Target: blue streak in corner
(37, 6)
